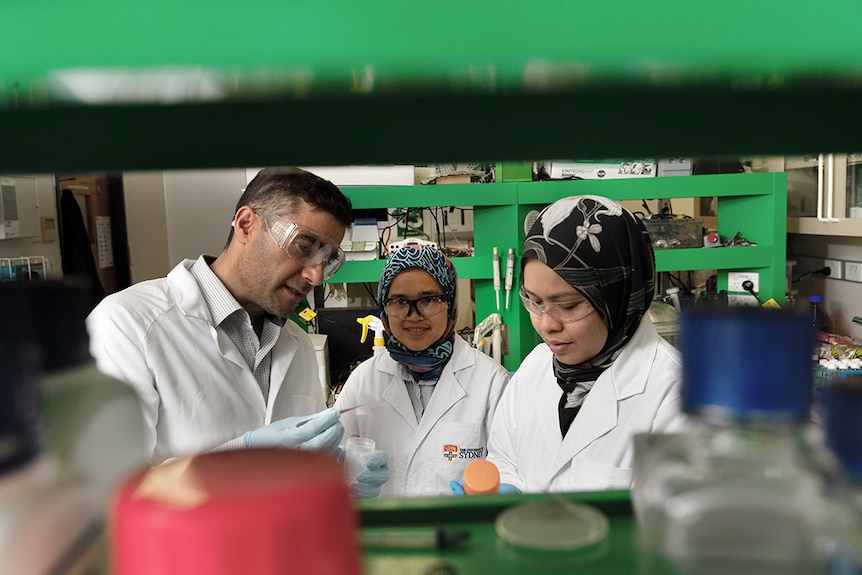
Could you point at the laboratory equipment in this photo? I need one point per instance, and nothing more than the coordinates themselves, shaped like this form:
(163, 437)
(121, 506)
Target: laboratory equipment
(510, 274)
(496, 264)
(820, 318)
(373, 323)
(555, 533)
(492, 324)
(356, 452)
(261, 511)
(739, 490)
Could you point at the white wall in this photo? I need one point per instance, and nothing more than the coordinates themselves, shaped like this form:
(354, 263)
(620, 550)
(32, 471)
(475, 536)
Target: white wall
(200, 207)
(146, 225)
(843, 299)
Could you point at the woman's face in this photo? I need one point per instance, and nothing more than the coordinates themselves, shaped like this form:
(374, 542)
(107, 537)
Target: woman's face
(571, 343)
(416, 331)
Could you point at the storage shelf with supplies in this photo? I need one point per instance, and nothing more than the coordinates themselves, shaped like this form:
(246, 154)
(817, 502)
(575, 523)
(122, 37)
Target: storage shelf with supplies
(754, 205)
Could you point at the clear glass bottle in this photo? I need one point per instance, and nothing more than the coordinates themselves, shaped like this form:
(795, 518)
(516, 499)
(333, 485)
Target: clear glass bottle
(740, 490)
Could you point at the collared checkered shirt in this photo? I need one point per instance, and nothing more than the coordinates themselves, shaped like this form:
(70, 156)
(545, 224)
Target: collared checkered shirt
(230, 316)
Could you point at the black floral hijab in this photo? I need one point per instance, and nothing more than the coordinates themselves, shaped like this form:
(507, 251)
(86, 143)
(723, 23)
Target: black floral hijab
(602, 250)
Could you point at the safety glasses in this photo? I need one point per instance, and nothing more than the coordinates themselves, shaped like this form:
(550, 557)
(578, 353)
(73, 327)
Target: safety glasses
(563, 312)
(306, 247)
(428, 306)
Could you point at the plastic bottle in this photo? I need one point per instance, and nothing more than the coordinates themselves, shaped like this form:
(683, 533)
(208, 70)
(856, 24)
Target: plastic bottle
(739, 490)
(821, 320)
(481, 477)
(48, 521)
(373, 323)
(94, 423)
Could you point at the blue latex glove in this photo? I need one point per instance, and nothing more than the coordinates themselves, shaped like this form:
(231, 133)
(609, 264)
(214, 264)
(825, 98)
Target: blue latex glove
(368, 482)
(457, 488)
(321, 431)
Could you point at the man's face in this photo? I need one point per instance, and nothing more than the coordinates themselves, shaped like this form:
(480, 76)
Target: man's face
(274, 281)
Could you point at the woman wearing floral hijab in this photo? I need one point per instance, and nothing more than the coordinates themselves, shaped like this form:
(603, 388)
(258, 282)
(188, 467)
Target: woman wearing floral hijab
(429, 401)
(602, 373)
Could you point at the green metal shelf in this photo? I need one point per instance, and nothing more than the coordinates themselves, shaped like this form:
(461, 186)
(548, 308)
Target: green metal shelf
(732, 258)
(755, 205)
(210, 84)
(469, 268)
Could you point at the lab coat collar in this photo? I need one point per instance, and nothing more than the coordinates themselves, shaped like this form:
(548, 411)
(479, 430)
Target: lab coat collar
(625, 378)
(187, 293)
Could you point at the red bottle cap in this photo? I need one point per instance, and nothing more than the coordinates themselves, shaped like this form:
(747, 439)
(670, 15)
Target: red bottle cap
(261, 511)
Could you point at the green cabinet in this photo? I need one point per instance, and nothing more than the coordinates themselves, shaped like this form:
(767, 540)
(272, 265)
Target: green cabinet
(754, 205)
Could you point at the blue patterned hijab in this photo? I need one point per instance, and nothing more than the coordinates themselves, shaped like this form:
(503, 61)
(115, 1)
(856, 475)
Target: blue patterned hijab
(428, 363)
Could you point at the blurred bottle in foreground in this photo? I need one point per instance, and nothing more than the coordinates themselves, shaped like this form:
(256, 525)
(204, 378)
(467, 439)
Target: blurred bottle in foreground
(48, 520)
(741, 490)
(841, 406)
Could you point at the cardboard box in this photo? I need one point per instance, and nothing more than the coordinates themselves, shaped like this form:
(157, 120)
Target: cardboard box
(603, 170)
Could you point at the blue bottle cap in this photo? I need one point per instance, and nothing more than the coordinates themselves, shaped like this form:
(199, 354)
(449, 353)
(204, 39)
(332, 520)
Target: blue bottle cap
(815, 298)
(747, 362)
(842, 412)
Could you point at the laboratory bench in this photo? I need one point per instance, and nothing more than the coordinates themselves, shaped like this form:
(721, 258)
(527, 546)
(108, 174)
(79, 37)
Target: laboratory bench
(484, 552)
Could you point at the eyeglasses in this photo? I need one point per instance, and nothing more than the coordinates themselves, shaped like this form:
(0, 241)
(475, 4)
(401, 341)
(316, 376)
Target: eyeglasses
(563, 312)
(427, 306)
(305, 246)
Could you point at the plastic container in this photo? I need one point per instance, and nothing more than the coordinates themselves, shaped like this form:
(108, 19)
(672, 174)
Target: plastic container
(261, 511)
(481, 477)
(552, 534)
(356, 452)
(668, 233)
(740, 489)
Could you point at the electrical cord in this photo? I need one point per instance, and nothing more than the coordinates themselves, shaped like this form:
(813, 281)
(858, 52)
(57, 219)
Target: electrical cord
(827, 271)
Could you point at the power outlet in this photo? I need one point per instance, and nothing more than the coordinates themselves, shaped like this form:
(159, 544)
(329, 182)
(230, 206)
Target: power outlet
(853, 271)
(736, 279)
(835, 271)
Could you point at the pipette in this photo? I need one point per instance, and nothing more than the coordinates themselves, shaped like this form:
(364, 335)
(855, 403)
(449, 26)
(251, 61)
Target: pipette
(496, 262)
(510, 273)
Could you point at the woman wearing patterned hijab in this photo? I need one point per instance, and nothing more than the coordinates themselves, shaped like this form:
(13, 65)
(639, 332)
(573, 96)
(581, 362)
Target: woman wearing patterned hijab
(429, 400)
(602, 373)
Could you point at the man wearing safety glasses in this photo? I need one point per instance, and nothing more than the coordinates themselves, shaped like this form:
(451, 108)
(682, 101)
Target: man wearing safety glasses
(209, 348)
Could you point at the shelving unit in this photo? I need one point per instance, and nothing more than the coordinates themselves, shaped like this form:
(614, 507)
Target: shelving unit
(755, 205)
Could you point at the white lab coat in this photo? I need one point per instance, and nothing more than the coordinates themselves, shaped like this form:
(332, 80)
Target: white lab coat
(197, 390)
(424, 456)
(638, 393)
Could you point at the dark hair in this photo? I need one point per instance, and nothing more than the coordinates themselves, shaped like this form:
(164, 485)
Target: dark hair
(279, 190)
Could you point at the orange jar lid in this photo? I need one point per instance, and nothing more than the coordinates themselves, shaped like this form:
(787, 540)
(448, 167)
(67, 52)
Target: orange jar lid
(481, 477)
